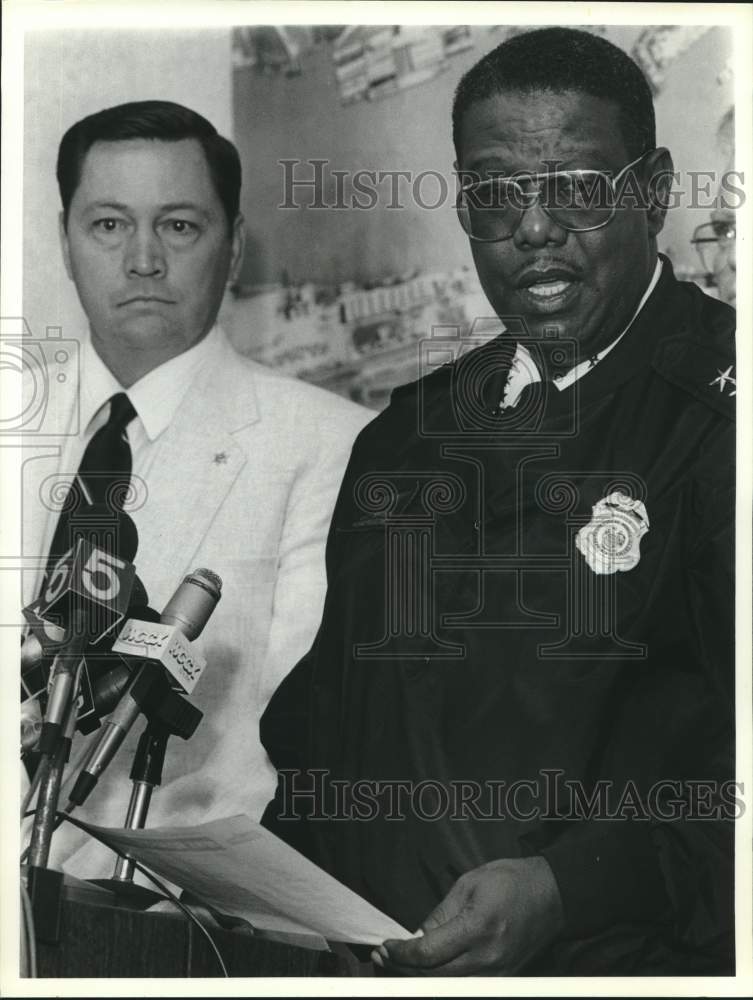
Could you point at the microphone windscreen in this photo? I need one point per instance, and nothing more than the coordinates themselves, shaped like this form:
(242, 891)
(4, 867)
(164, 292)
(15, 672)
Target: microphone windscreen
(32, 652)
(193, 602)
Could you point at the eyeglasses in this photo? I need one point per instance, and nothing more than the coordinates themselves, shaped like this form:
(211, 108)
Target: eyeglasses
(576, 200)
(713, 236)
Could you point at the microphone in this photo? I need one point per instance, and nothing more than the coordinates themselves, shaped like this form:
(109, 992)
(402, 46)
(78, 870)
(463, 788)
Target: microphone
(92, 586)
(80, 574)
(86, 594)
(35, 664)
(189, 609)
(106, 673)
(88, 577)
(63, 677)
(35, 671)
(89, 588)
(31, 724)
(38, 648)
(103, 678)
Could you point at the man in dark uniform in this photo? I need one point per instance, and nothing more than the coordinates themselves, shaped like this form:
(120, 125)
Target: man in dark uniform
(515, 728)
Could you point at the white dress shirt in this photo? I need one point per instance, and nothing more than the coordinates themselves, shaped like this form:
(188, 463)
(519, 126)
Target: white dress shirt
(156, 397)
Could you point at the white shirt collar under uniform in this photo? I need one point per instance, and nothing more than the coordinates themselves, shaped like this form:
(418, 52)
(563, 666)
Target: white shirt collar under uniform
(524, 370)
(156, 396)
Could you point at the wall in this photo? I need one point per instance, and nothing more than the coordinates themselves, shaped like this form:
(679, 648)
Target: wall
(69, 74)
(301, 117)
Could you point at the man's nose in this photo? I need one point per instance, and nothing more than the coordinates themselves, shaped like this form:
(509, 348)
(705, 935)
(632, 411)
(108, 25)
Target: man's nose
(145, 256)
(537, 229)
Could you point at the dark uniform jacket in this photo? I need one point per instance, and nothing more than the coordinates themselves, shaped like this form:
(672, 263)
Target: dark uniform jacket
(527, 645)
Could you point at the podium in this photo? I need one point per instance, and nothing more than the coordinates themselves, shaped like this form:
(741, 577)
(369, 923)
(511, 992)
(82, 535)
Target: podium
(102, 940)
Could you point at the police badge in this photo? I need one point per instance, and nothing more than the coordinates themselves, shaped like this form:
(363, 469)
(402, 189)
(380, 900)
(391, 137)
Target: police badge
(610, 542)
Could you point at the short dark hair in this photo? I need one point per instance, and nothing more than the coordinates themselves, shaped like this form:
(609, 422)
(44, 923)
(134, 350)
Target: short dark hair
(161, 120)
(563, 59)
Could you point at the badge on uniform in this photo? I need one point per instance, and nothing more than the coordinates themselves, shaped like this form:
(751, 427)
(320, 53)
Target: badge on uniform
(610, 542)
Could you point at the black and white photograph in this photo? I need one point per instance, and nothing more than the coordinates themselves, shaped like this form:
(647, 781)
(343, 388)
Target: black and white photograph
(376, 492)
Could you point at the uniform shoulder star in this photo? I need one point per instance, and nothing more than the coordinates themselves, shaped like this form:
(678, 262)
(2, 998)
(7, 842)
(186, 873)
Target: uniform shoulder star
(723, 378)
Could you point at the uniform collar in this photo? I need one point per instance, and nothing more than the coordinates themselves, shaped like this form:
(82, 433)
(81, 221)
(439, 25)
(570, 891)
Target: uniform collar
(463, 396)
(524, 370)
(657, 318)
(156, 396)
(588, 364)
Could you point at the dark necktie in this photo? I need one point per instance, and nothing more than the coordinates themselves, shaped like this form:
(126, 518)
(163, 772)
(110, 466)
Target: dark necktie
(97, 494)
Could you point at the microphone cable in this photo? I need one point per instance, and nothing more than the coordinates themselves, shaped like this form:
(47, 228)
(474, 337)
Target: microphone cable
(28, 962)
(167, 893)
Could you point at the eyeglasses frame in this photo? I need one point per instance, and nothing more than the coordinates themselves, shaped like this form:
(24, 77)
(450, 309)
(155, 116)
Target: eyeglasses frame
(723, 242)
(537, 194)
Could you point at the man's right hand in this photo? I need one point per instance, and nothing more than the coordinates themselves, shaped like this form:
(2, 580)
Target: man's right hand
(493, 920)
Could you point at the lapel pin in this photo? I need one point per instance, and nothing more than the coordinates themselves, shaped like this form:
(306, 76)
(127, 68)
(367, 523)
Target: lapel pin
(220, 458)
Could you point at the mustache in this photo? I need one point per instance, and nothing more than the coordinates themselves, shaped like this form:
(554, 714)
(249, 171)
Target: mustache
(545, 269)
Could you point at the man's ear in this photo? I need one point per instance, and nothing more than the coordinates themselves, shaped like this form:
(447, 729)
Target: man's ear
(64, 245)
(238, 244)
(465, 177)
(658, 173)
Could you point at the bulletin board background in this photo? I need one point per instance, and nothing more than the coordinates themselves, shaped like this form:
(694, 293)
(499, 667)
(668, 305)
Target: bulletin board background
(342, 294)
(340, 297)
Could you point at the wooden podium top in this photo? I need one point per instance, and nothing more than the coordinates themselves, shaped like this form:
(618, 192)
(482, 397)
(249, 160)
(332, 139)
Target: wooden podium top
(102, 940)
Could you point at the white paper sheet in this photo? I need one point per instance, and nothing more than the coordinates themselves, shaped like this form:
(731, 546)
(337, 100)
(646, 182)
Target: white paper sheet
(241, 869)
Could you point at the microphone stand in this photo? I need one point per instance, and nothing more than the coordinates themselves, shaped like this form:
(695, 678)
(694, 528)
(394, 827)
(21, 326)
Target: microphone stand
(69, 591)
(175, 716)
(46, 885)
(146, 774)
(51, 768)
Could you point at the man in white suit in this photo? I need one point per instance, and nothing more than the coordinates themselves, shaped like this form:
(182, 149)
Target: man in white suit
(233, 467)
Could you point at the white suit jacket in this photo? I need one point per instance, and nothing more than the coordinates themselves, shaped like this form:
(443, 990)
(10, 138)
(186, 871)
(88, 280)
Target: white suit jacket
(246, 481)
